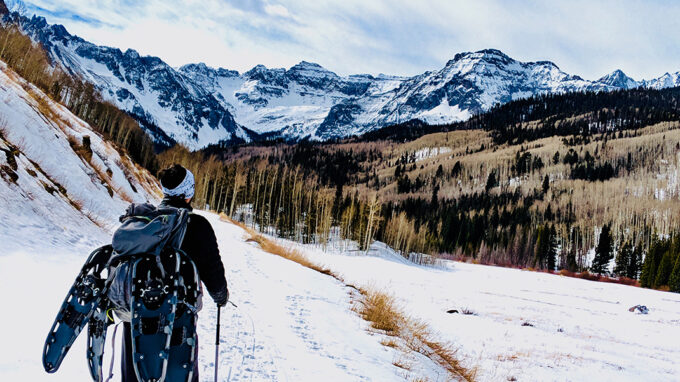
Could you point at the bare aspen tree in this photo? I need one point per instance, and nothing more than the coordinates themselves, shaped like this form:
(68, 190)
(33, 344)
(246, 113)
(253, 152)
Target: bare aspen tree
(239, 181)
(374, 207)
(260, 168)
(271, 194)
(325, 216)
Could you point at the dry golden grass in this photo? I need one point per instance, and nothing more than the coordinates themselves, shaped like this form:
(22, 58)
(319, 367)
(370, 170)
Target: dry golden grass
(389, 342)
(287, 253)
(381, 311)
(402, 364)
(277, 249)
(43, 105)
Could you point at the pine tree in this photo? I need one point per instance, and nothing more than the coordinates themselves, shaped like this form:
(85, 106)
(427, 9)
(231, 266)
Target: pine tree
(440, 172)
(651, 262)
(455, 171)
(571, 260)
(664, 271)
(552, 249)
(491, 181)
(435, 197)
(543, 248)
(546, 184)
(603, 252)
(674, 280)
(635, 263)
(623, 260)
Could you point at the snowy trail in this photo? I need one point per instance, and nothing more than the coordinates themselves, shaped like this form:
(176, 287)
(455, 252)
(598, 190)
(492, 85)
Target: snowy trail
(291, 324)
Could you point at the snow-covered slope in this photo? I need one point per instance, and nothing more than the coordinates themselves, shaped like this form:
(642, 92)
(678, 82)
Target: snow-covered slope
(527, 326)
(46, 187)
(198, 105)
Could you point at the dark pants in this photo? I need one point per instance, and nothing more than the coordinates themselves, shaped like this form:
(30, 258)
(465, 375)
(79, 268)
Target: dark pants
(127, 365)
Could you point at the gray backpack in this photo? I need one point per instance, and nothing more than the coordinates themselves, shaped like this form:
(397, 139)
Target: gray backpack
(145, 230)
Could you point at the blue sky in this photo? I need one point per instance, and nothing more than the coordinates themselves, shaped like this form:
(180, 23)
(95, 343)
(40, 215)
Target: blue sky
(405, 37)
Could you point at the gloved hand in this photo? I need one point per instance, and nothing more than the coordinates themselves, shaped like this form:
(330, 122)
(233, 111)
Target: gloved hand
(222, 298)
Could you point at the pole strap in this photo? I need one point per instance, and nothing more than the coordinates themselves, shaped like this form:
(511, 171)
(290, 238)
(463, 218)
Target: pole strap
(113, 351)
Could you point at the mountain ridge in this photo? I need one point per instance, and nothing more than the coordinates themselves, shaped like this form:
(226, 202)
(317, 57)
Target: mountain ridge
(198, 105)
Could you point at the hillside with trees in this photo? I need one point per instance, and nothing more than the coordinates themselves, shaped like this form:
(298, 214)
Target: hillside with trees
(577, 182)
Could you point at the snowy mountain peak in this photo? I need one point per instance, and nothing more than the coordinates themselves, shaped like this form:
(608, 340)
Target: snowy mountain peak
(203, 69)
(619, 79)
(492, 56)
(548, 64)
(668, 80)
(131, 54)
(308, 66)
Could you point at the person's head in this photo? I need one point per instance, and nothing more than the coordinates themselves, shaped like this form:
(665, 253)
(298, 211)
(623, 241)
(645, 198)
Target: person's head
(177, 182)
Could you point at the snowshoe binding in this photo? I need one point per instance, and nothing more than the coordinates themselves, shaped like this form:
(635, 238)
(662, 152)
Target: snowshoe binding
(96, 339)
(184, 341)
(152, 307)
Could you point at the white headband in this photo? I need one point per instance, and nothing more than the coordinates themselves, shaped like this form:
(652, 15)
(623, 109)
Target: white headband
(186, 188)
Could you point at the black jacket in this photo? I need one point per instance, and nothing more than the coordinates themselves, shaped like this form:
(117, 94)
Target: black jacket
(200, 244)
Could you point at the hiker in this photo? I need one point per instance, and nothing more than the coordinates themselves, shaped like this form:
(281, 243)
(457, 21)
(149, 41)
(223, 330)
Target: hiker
(200, 244)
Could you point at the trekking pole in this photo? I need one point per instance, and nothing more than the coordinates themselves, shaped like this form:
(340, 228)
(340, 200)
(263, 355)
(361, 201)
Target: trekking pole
(217, 342)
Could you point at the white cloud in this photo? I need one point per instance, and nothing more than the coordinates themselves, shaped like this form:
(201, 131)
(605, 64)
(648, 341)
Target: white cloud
(277, 10)
(588, 38)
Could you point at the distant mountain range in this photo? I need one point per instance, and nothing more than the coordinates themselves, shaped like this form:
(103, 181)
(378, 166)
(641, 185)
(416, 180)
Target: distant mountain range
(197, 105)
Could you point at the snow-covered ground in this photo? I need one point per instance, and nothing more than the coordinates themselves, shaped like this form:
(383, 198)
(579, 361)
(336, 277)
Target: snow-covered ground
(528, 326)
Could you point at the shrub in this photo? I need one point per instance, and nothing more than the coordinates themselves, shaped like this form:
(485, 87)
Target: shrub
(8, 174)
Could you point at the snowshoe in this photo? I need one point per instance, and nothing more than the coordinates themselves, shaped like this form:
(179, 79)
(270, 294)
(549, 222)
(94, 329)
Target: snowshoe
(152, 307)
(80, 303)
(184, 341)
(96, 339)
